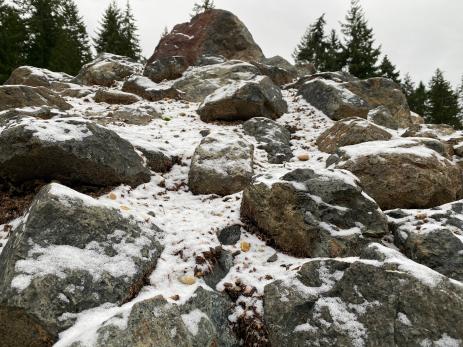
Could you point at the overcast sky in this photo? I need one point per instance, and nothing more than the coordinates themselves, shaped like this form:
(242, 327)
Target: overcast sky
(418, 35)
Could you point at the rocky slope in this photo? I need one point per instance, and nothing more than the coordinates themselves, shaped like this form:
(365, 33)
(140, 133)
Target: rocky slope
(224, 202)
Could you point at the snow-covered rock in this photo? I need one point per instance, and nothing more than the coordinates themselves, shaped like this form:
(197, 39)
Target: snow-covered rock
(25, 96)
(168, 68)
(36, 77)
(115, 97)
(145, 88)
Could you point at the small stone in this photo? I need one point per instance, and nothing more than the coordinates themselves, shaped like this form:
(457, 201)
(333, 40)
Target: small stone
(230, 235)
(245, 246)
(303, 157)
(273, 258)
(421, 216)
(175, 297)
(188, 279)
(112, 196)
(125, 208)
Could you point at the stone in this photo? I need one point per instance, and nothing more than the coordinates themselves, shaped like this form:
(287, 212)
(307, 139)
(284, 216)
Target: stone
(134, 114)
(243, 100)
(188, 280)
(403, 173)
(384, 299)
(230, 235)
(217, 267)
(41, 112)
(71, 150)
(350, 131)
(278, 75)
(115, 97)
(106, 69)
(222, 164)
(25, 96)
(70, 254)
(202, 321)
(417, 119)
(158, 160)
(146, 89)
(214, 32)
(308, 213)
(336, 76)
(205, 60)
(303, 157)
(76, 92)
(197, 83)
(166, 68)
(272, 137)
(381, 116)
(36, 77)
(245, 246)
(431, 237)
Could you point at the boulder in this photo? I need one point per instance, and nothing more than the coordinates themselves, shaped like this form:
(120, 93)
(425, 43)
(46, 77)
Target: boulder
(106, 69)
(350, 131)
(199, 82)
(167, 68)
(313, 214)
(145, 88)
(134, 114)
(417, 119)
(71, 150)
(431, 237)
(382, 116)
(278, 75)
(214, 32)
(385, 300)
(336, 76)
(115, 97)
(222, 164)
(71, 253)
(214, 265)
(202, 321)
(41, 112)
(243, 100)
(158, 160)
(272, 137)
(77, 92)
(403, 173)
(36, 77)
(25, 96)
(205, 60)
(229, 235)
(442, 132)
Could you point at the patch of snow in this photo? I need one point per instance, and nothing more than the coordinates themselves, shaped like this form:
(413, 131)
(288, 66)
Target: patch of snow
(192, 320)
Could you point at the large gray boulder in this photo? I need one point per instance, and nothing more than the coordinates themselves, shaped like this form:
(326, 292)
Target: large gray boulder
(106, 69)
(272, 137)
(167, 68)
(25, 96)
(199, 82)
(36, 77)
(384, 300)
(222, 164)
(309, 213)
(145, 88)
(350, 131)
(70, 253)
(431, 237)
(403, 173)
(71, 150)
(243, 100)
(278, 75)
(202, 321)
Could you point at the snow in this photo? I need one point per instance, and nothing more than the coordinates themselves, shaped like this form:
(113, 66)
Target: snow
(192, 320)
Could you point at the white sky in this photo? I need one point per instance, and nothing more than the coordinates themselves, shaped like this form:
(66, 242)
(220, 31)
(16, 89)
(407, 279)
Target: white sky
(418, 35)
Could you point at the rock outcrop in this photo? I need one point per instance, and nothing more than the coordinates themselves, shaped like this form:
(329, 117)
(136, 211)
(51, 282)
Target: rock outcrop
(403, 173)
(309, 213)
(167, 68)
(43, 286)
(70, 150)
(25, 96)
(222, 164)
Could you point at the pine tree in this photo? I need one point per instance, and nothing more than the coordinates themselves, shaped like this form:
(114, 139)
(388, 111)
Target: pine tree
(359, 53)
(204, 6)
(443, 102)
(109, 37)
(333, 59)
(12, 37)
(131, 43)
(460, 99)
(408, 87)
(72, 49)
(418, 100)
(165, 32)
(388, 70)
(312, 48)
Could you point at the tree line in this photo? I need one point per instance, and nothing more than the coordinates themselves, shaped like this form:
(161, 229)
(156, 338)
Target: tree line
(357, 53)
(51, 34)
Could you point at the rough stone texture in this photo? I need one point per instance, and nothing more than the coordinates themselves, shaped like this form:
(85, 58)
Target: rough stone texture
(431, 237)
(167, 68)
(70, 254)
(383, 117)
(154, 322)
(158, 160)
(214, 32)
(337, 76)
(386, 301)
(416, 118)
(76, 92)
(272, 137)
(222, 164)
(136, 114)
(205, 60)
(350, 131)
(356, 98)
(243, 100)
(217, 268)
(199, 82)
(313, 214)
(115, 97)
(278, 75)
(145, 88)
(70, 150)
(25, 96)
(230, 235)
(106, 69)
(36, 77)
(41, 112)
(403, 173)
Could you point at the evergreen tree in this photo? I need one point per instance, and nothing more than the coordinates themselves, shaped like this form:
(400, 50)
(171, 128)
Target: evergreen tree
(131, 43)
(72, 49)
(359, 53)
(408, 87)
(418, 100)
(110, 38)
(12, 37)
(313, 47)
(333, 59)
(388, 70)
(165, 32)
(204, 6)
(443, 102)
(460, 99)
